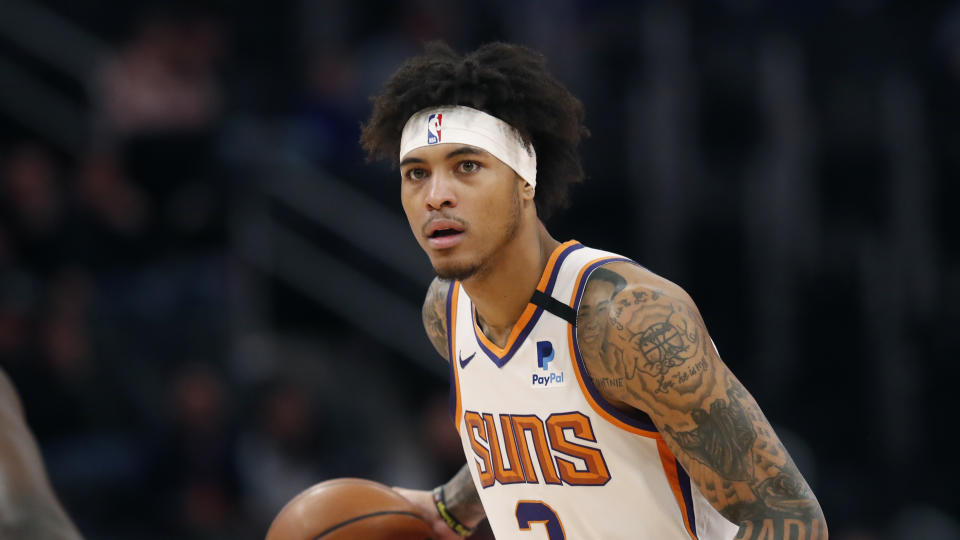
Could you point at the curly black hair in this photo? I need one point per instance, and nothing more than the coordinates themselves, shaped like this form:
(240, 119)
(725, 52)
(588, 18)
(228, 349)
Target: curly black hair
(505, 80)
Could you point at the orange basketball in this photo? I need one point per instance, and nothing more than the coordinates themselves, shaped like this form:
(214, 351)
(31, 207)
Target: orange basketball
(349, 509)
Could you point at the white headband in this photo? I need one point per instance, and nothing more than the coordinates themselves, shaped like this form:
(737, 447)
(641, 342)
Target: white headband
(465, 125)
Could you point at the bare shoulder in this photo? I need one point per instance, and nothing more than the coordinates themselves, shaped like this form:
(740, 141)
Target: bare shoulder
(434, 315)
(637, 327)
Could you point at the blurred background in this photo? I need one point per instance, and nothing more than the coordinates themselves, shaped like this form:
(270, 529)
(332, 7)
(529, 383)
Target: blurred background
(209, 302)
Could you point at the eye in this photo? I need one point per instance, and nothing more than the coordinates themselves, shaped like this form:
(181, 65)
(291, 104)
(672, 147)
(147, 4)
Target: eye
(416, 173)
(468, 167)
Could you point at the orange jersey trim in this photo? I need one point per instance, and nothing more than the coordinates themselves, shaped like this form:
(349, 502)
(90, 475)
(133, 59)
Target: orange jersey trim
(669, 462)
(528, 312)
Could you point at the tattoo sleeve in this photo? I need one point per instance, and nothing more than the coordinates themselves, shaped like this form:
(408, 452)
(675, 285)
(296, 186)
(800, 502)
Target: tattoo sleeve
(646, 346)
(462, 498)
(434, 315)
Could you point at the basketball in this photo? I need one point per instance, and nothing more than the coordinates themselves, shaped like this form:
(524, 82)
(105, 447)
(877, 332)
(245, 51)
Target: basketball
(349, 509)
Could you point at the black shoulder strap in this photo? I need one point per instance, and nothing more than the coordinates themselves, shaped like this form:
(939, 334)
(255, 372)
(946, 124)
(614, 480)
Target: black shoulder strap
(554, 306)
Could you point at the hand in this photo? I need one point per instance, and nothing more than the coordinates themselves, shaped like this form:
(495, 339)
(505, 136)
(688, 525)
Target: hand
(424, 503)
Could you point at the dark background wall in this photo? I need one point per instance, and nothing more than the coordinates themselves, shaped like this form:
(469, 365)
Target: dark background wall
(209, 302)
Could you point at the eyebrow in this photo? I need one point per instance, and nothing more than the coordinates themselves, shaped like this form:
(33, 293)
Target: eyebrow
(463, 150)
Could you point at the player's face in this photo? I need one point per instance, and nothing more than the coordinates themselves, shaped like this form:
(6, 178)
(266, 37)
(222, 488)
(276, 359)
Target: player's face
(463, 205)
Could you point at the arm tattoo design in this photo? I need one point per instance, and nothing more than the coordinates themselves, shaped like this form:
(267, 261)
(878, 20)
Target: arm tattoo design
(435, 315)
(462, 498)
(722, 439)
(658, 345)
(649, 348)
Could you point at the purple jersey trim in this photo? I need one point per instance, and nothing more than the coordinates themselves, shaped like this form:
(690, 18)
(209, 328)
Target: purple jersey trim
(556, 267)
(643, 422)
(502, 361)
(684, 480)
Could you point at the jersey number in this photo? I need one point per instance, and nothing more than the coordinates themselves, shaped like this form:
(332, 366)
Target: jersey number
(537, 512)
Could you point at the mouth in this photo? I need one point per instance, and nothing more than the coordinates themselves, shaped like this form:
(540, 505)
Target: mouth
(444, 233)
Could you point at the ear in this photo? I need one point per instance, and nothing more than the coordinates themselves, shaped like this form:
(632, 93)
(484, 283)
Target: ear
(526, 190)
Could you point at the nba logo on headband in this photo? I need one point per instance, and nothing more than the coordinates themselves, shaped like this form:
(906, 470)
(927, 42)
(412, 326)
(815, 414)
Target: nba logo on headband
(433, 128)
(473, 127)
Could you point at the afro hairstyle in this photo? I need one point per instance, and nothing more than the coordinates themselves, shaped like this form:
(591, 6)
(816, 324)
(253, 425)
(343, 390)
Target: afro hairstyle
(504, 80)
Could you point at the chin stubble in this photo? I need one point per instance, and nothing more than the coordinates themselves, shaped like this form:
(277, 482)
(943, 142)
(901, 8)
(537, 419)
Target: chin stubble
(469, 270)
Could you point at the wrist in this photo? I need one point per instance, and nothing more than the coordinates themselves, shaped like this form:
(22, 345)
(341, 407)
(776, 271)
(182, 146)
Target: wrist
(440, 504)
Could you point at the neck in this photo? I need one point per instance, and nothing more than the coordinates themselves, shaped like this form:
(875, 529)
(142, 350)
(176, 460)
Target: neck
(503, 290)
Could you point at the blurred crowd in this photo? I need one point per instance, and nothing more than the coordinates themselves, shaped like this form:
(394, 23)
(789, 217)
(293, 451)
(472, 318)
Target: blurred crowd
(112, 311)
(795, 168)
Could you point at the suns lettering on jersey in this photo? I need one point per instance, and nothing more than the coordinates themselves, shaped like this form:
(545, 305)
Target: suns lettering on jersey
(566, 434)
(478, 432)
(504, 474)
(524, 424)
(596, 473)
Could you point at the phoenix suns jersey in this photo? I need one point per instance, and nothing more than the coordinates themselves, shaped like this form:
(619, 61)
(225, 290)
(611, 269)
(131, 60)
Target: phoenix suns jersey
(551, 459)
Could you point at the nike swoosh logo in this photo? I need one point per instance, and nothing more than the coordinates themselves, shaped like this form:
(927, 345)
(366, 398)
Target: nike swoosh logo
(464, 362)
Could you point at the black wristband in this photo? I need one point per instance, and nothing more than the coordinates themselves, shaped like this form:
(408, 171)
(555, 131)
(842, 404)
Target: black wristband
(447, 517)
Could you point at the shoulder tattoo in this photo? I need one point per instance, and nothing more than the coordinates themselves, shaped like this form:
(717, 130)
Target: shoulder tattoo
(435, 315)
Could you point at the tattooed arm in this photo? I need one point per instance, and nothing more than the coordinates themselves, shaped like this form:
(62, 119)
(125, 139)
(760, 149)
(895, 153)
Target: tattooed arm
(434, 315)
(462, 498)
(460, 493)
(646, 347)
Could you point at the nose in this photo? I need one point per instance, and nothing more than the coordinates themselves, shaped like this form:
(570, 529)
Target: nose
(440, 192)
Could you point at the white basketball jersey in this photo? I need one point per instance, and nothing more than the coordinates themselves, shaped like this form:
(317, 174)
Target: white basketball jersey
(550, 457)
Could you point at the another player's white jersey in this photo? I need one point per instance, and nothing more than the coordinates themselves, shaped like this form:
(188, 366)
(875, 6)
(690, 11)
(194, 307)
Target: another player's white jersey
(550, 458)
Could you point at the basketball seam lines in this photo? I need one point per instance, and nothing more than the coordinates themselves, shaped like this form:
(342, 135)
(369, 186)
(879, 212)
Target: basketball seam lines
(365, 516)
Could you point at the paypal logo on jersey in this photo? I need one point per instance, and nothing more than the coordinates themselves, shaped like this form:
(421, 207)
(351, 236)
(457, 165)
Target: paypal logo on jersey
(545, 355)
(433, 128)
(543, 381)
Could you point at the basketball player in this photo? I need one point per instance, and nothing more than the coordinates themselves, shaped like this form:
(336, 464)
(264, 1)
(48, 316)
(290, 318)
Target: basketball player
(29, 510)
(589, 397)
